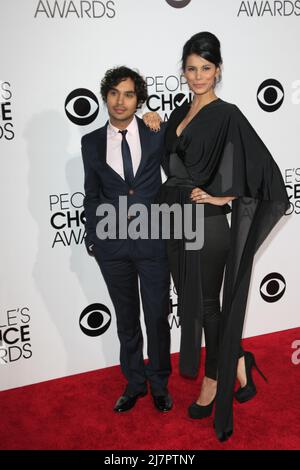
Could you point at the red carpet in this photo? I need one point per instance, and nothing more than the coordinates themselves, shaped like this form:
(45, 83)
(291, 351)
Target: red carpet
(76, 412)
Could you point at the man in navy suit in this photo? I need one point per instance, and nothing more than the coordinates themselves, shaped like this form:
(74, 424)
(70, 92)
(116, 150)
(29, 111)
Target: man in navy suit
(123, 158)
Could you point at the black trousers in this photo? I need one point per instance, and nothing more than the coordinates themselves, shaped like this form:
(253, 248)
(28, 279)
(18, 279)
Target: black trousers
(121, 277)
(213, 257)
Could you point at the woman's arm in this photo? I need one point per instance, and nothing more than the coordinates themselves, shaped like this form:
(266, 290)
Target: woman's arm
(152, 120)
(200, 196)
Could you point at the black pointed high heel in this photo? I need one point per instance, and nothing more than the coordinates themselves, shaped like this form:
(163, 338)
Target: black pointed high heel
(244, 394)
(196, 411)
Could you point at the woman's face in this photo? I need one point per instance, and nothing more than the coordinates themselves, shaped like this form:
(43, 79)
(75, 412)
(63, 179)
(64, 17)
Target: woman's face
(200, 74)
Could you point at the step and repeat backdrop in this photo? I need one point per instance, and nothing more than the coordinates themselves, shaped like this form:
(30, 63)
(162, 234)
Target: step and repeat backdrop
(56, 318)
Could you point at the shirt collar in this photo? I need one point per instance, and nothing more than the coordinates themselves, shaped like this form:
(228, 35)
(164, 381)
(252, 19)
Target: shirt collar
(131, 129)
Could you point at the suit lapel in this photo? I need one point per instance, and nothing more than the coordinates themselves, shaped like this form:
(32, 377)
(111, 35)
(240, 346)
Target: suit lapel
(102, 151)
(101, 143)
(145, 146)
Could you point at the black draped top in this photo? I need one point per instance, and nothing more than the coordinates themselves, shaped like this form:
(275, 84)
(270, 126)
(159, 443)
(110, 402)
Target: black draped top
(178, 175)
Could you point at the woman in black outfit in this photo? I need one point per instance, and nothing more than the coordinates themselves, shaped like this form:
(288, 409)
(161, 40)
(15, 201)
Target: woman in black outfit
(213, 157)
(212, 257)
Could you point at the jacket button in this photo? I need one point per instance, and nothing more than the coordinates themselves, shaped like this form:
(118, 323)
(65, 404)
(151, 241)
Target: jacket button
(131, 192)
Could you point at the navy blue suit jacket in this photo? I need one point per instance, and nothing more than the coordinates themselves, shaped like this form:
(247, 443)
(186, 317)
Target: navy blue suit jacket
(103, 185)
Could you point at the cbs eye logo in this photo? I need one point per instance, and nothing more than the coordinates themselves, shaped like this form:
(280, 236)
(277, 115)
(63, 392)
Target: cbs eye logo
(95, 320)
(81, 106)
(178, 3)
(272, 287)
(270, 95)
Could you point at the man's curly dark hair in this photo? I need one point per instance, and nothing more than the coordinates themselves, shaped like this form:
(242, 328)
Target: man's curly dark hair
(114, 76)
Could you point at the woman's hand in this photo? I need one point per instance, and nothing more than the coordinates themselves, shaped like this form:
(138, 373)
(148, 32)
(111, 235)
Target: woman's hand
(200, 196)
(152, 120)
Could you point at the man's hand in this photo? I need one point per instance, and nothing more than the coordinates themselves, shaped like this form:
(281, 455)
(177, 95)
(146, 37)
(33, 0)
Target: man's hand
(200, 196)
(152, 120)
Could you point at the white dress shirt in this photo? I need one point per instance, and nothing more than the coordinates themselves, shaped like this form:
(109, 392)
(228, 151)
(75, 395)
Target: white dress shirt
(113, 149)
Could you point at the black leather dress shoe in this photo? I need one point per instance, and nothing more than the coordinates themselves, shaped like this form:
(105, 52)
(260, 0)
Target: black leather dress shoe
(163, 402)
(126, 402)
